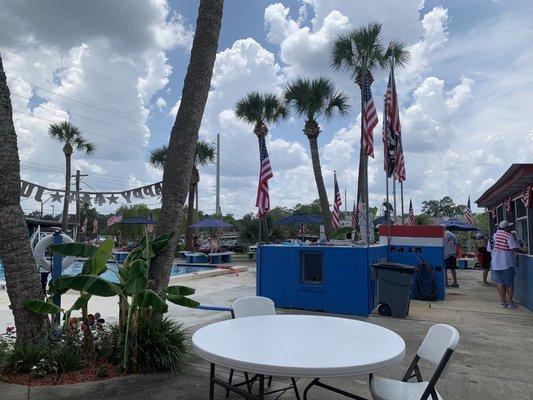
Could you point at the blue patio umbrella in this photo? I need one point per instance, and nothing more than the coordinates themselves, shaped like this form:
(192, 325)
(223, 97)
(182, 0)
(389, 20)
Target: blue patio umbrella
(138, 221)
(457, 225)
(211, 223)
(299, 219)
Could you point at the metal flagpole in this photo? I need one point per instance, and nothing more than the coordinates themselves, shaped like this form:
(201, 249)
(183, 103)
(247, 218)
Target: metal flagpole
(386, 160)
(401, 200)
(217, 205)
(394, 216)
(345, 205)
(365, 160)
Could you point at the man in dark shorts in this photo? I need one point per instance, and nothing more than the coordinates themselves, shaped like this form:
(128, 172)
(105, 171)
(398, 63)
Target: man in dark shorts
(484, 256)
(450, 257)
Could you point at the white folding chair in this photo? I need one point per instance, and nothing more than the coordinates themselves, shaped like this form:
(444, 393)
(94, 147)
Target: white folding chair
(437, 348)
(254, 306)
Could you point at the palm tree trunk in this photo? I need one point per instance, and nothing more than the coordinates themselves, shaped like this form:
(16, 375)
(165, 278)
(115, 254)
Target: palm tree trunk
(64, 222)
(322, 194)
(184, 135)
(189, 235)
(22, 279)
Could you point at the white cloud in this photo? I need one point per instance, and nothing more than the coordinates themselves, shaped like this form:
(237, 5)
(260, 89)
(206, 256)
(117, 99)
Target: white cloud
(161, 104)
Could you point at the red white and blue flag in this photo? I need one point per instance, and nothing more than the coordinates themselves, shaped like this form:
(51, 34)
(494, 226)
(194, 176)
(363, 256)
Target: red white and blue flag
(468, 213)
(95, 226)
(262, 201)
(411, 218)
(335, 218)
(114, 219)
(84, 226)
(394, 126)
(369, 118)
(354, 216)
(526, 196)
(301, 231)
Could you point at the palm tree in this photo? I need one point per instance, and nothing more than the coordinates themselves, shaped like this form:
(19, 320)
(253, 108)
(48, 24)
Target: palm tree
(70, 135)
(184, 135)
(21, 276)
(259, 109)
(312, 99)
(205, 154)
(360, 52)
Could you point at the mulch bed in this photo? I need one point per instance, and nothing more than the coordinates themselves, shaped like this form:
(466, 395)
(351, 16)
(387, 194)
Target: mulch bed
(88, 374)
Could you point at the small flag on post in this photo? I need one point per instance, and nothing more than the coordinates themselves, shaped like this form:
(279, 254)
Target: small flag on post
(354, 216)
(262, 201)
(369, 117)
(95, 226)
(335, 217)
(150, 227)
(411, 218)
(114, 219)
(84, 226)
(301, 231)
(468, 213)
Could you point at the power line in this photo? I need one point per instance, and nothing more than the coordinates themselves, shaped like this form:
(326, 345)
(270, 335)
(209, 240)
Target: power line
(87, 104)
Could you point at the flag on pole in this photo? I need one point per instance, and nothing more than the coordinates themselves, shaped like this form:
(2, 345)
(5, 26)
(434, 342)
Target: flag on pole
(388, 139)
(262, 201)
(95, 226)
(114, 219)
(526, 196)
(354, 216)
(369, 117)
(150, 227)
(220, 231)
(411, 218)
(468, 213)
(394, 126)
(84, 226)
(335, 218)
(301, 231)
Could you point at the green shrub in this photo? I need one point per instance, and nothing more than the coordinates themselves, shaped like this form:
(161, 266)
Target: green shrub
(3, 352)
(23, 358)
(162, 345)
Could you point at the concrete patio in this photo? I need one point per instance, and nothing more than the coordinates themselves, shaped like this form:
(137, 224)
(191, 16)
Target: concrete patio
(493, 361)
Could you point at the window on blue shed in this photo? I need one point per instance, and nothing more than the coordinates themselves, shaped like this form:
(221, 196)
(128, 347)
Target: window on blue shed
(312, 268)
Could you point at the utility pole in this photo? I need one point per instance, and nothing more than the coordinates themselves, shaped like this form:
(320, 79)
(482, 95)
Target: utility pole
(217, 207)
(78, 177)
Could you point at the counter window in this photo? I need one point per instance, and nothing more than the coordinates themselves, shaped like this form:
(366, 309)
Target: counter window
(312, 268)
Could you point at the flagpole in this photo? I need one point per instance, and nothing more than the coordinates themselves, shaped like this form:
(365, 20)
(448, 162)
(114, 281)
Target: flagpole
(394, 216)
(365, 157)
(345, 205)
(401, 201)
(386, 163)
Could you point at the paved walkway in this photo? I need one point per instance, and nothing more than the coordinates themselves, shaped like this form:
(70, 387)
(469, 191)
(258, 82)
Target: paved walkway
(494, 360)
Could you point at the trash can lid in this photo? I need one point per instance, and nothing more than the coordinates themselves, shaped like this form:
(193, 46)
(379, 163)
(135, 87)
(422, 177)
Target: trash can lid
(395, 267)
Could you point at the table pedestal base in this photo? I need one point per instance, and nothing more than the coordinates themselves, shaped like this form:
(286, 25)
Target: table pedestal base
(316, 382)
(247, 394)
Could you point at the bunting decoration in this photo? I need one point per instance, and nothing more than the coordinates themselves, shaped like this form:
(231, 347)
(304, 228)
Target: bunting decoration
(507, 203)
(493, 213)
(39, 192)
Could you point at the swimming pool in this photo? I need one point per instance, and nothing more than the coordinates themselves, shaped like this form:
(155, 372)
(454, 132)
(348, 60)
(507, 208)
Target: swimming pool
(110, 274)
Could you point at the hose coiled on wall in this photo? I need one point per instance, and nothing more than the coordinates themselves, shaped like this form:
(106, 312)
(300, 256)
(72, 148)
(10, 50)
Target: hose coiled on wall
(426, 284)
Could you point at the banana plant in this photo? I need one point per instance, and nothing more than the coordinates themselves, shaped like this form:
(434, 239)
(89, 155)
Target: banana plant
(132, 287)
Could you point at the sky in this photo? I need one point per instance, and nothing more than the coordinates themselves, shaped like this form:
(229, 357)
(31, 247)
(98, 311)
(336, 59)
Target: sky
(116, 68)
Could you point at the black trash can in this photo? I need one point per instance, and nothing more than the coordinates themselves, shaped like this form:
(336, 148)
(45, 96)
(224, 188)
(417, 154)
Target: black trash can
(393, 285)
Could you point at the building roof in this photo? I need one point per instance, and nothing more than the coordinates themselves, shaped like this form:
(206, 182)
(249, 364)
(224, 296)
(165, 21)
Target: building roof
(511, 183)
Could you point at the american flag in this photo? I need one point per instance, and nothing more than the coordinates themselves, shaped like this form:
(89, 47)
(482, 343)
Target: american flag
(354, 216)
(507, 202)
(389, 142)
(265, 173)
(370, 117)
(301, 231)
(526, 196)
(84, 226)
(335, 218)
(468, 213)
(411, 218)
(220, 231)
(95, 226)
(150, 227)
(114, 219)
(394, 126)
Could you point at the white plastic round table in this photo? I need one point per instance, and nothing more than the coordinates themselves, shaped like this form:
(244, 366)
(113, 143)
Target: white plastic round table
(299, 346)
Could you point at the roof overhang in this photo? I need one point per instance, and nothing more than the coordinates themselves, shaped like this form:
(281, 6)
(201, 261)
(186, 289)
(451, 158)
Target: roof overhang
(510, 184)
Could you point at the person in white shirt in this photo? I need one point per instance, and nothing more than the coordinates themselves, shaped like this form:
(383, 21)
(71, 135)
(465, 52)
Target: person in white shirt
(450, 257)
(503, 247)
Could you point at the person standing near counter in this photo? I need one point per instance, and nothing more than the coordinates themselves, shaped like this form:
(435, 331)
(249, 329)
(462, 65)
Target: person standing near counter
(484, 256)
(450, 257)
(503, 247)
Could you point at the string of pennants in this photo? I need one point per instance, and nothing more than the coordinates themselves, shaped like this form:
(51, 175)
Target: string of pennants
(37, 192)
(526, 196)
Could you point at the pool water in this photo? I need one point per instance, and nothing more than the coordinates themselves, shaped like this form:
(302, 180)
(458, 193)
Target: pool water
(111, 275)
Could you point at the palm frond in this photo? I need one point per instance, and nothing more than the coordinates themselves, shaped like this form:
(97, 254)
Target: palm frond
(399, 51)
(158, 157)
(342, 56)
(339, 102)
(250, 108)
(205, 153)
(274, 109)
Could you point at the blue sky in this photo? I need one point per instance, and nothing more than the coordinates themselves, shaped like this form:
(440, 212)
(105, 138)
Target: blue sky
(117, 70)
